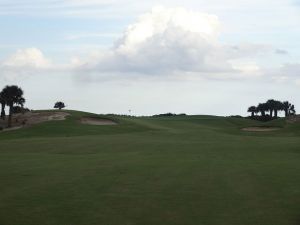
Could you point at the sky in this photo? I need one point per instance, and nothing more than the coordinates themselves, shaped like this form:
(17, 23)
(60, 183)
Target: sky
(214, 57)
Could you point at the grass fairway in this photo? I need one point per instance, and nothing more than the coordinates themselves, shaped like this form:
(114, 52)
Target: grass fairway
(195, 170)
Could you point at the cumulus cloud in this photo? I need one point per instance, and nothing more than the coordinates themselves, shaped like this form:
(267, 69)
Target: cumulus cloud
(24, 62)
(166, 41)
(28, 58)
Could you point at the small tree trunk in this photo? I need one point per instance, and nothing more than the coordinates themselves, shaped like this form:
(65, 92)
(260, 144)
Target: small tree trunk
(271, 113)
(276, 113)
(286, 111)
(10, 115)
(252, 114)
(3, 111)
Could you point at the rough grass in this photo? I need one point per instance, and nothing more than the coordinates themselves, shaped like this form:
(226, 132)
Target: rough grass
(195, 170)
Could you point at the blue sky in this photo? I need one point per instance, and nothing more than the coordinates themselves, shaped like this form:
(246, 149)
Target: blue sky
(151, 56)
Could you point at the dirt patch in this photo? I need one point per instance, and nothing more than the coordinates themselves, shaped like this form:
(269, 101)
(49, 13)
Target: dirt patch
(31, 118)
(97, 122)
(260, 129)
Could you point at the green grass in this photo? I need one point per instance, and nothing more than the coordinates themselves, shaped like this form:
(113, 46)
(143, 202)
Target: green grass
(186, 170)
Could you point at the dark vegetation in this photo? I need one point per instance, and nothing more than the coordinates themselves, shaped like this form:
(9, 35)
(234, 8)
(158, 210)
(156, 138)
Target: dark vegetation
(11, 96)
(20, 109)
(269, 110)
(169, 115)
(235, 116)
(59, 105)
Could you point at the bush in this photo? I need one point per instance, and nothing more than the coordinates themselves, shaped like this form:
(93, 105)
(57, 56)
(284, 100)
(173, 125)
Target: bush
(265, 118)
(18, 109)
(235, 116)
(169, 115)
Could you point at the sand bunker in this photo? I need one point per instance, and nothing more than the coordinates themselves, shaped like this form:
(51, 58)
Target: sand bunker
(260, 129)
(11, 129)
(35, 118)
(97, 122)
(32, 118)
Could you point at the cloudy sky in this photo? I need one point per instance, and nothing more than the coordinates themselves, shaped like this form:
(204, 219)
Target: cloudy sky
(194, 56)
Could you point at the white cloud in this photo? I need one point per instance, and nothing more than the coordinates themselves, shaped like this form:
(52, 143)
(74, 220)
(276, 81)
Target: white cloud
(25, 62)
(172, 40)
(248, 69)
(29, 58)
(164, 42)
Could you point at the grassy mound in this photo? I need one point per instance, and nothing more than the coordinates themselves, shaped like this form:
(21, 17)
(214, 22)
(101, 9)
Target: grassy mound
(187, 170)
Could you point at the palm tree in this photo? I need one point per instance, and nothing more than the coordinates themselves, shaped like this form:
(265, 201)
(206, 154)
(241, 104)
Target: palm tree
(253, 110)
(271, 105)
(3, 103)
(292, 110)
(286, 107)
(277, 107)
(262, 108)
(13, 95)
(21, 103)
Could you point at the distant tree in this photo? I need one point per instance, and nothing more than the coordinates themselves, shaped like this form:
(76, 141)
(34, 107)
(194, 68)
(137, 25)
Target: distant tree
(286, 107)
(278, 106)
(3, 104)
(292, 110)
(13, 95)
(169, 115)
(263, 108)
(253, 110)
(271, 106)
(59, 105)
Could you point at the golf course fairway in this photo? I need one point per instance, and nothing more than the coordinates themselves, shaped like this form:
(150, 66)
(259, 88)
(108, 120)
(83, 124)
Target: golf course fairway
(180, 170)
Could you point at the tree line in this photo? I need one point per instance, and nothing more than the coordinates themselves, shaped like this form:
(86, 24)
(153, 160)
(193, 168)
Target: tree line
(12, 97)
(270, 109)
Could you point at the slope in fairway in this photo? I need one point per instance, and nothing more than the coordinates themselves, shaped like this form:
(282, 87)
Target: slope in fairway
(189, 170)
